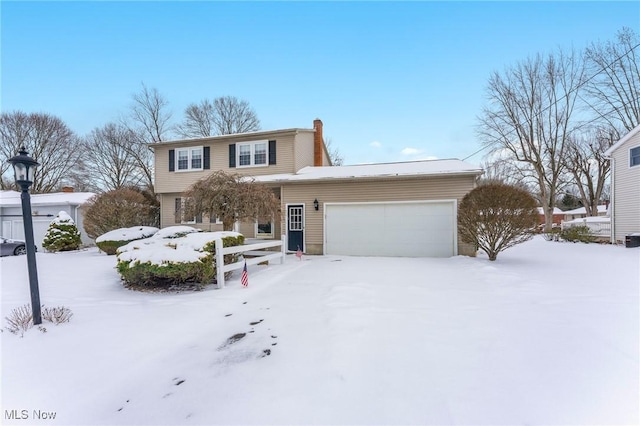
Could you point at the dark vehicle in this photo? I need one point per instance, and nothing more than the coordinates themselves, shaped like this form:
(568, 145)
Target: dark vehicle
(12, 247)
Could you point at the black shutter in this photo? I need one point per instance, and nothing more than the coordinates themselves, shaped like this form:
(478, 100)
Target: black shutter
(172, 160)
(177, 215)
(206, 156)
(272, 152)
(232, 155)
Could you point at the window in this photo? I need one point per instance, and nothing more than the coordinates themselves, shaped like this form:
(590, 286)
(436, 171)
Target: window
(252, 154)
(189, 158)
(179, 214)
(634, 156)
(264, 228)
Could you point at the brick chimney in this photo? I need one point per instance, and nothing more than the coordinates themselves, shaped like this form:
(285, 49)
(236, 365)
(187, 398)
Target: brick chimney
(67, 189)
(318, 143)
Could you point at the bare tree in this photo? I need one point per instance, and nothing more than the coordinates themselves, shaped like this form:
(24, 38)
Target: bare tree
(111, 164)
(47, 139)
(226, 115)
(334, 153)
(149, 114)
(230, 197)
(614, 91)
(529, 116)
(589, 168)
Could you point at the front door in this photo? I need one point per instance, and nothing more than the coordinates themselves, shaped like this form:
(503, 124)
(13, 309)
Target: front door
(295, 227)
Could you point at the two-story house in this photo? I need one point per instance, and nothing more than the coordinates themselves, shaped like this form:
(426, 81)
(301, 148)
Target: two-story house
(389, 209)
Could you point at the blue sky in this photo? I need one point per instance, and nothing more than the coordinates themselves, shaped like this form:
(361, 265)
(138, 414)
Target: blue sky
(392, 81)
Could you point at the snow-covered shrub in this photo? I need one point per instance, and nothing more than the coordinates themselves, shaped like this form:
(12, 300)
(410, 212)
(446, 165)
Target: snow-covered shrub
(174, 256)
(120, 208)
(580, 233)
(110, 241)
(62, 235)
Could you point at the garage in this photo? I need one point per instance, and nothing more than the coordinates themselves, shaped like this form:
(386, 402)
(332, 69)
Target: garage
(406, 229)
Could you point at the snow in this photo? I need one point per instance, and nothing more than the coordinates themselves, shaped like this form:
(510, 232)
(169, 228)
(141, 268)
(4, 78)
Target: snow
(590, 219)
(63, 218)
(547, 334)
(582, 210)
(165, 248)
(408, 168)
(128, 234)
(12, 198)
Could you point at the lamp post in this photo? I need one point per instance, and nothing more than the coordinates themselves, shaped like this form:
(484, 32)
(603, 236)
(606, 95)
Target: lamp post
(24, 168)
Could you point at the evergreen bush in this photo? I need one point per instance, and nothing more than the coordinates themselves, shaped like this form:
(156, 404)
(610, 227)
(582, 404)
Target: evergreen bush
(168, 262)
(62, 235)
(110, 241)
(580, 233)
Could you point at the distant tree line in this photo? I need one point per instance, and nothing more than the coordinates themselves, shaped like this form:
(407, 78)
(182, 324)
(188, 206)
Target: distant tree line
(549, 118)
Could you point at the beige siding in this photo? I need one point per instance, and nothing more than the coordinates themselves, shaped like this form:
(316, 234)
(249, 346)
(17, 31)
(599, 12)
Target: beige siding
(178, 181)
(167, 215)
(626, 188)
(303, 150)
(432, 188)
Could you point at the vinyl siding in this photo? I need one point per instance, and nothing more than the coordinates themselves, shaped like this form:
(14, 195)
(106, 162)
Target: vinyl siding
(171, 182)
(303, 151)
(626, 187)
(398, 189)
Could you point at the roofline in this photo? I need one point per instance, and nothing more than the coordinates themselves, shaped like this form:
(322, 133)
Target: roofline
(258, 134)
(624, 139)
(374, 177)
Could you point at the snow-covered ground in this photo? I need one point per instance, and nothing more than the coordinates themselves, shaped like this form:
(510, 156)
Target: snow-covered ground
(547, 334)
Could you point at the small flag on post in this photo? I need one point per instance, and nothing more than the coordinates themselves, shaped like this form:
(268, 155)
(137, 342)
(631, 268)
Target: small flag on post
(299, 253)
(244, 279)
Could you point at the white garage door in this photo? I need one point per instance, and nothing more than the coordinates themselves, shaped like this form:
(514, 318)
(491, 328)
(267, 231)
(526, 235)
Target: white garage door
(409, 229)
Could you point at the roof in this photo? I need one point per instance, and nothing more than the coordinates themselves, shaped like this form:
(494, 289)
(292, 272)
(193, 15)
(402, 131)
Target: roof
(618, 144)
(377, 170)
(601, 209)
(261, 134)
(555, 211)
(12, 198)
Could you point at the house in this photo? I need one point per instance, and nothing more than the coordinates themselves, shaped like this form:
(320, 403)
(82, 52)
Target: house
(581, 212)
(391, 209)
(44, 208)
(625, 186)
(557, 216)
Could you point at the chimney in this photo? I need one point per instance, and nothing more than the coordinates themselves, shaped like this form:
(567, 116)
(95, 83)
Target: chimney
(67, 189)
(318, 143)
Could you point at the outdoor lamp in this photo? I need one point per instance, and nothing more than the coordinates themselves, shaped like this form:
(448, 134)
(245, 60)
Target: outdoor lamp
(316, 205)
(24, 168)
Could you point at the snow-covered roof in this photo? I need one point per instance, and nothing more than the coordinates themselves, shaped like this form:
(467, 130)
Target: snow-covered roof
(555, 211)
(377, 170)
(12, 198)
(601, 209)
(625, 138)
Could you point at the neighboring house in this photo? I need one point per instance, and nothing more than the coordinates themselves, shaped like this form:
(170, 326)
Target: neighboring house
(581, 212)
(44, 208)
(558, 216)
(625, 186)
(392, 209)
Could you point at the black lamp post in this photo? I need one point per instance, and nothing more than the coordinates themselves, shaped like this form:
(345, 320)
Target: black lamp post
(24, 168)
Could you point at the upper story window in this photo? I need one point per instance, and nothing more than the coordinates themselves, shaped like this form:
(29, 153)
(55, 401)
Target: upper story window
(252, 154)
(634, 156)
(189, 158)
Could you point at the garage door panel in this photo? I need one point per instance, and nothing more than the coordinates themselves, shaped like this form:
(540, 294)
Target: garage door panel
(390, 229)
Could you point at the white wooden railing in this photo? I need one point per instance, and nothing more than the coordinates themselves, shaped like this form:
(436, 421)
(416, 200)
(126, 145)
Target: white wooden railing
(599, 228)
(260, 256)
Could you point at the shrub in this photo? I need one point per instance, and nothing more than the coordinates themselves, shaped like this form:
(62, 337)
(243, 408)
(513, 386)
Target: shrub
(171, 260)
(62, 235)
(20, 320)
(496, 216)
(110, 241)
(576, 234)
(120, 208)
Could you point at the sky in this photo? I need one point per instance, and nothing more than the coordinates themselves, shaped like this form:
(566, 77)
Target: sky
(391, 81)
